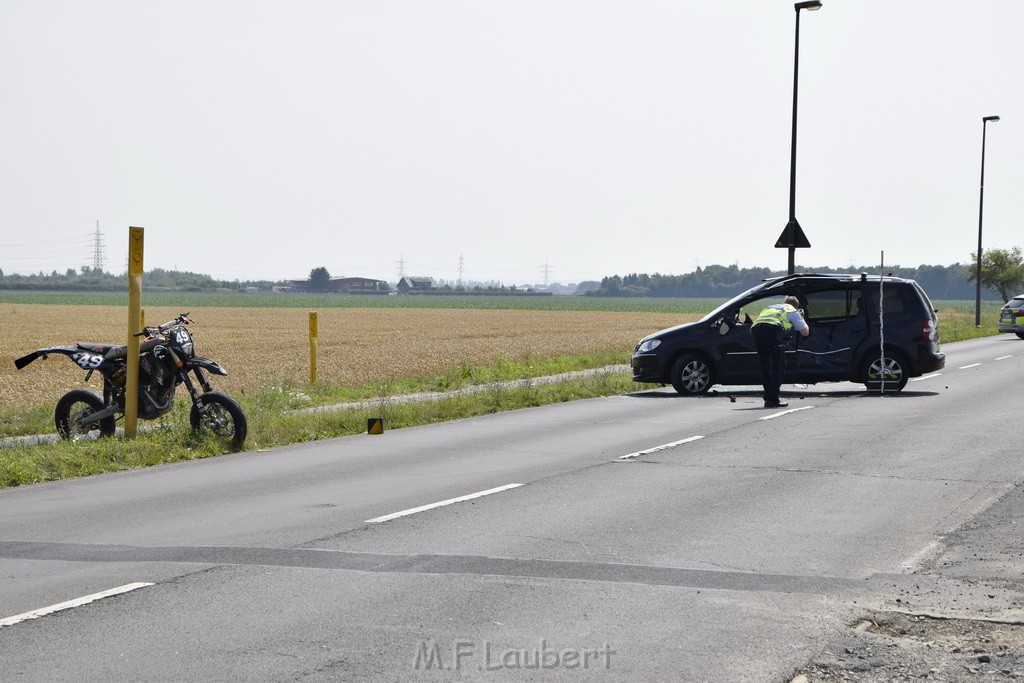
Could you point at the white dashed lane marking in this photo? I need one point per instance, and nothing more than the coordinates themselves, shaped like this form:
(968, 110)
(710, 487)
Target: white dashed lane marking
(70, 604)
(431, 506)
(660, 448)
(784, 412)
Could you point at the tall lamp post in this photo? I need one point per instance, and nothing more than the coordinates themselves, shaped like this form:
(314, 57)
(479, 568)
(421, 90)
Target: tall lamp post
(793, 235)
(981, 210)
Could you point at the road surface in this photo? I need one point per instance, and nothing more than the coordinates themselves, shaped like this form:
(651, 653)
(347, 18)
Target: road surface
(637, 537)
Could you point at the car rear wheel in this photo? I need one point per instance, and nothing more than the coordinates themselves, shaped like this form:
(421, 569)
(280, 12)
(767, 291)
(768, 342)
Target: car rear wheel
(1020, 335)
(692, 375)
(885, 374)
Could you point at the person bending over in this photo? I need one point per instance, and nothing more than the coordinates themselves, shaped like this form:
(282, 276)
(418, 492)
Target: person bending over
(772, 328)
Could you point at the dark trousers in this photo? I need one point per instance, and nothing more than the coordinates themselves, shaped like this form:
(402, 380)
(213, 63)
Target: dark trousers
(771, 357)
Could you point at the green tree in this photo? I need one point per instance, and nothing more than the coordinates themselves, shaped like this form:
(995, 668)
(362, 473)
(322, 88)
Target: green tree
(319, 280)
(1002, 270)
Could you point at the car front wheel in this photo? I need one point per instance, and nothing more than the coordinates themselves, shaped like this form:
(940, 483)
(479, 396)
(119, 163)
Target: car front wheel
(692, 375)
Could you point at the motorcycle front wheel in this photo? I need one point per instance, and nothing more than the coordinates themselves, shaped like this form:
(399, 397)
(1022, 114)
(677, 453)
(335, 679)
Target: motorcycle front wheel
(221, 415)
(73, 407)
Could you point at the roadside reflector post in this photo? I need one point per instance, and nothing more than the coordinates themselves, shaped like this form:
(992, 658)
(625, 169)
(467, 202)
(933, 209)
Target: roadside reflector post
(375, 425)
(312, 347)
(136, 239)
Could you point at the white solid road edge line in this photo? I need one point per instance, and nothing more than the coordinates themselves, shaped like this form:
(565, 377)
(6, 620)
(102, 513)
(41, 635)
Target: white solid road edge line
(77, 602)
(660, 448)
(450, 501)
(784, 412)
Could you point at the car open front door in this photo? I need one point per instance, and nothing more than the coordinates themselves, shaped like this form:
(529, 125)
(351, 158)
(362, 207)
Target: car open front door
(838, 327)
(738, 364)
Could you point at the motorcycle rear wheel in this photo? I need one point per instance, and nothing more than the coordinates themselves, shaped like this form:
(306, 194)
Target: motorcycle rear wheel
(221, 415)
(72, 408)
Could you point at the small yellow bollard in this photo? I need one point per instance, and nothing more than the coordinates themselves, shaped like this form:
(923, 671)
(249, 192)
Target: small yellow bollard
(312, 347)
(375, 425)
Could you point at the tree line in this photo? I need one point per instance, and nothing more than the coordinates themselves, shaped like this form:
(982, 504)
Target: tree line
(98, 280)
(1002, 275)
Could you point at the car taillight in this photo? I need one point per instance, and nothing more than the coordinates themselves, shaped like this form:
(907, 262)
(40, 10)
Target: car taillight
(1019, 313)
(928, 331)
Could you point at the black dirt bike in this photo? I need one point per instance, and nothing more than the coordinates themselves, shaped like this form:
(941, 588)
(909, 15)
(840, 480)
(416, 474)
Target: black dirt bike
(166, 357)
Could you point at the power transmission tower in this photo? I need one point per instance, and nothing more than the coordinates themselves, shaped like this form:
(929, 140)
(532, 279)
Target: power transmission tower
(546, 269)
(98, 257)
(401, 266)
(462, 264)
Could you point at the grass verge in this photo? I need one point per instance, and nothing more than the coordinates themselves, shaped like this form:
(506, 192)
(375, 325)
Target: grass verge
(272, 421)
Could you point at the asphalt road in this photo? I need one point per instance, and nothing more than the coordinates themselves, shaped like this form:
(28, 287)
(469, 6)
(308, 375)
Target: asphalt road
(639, 537)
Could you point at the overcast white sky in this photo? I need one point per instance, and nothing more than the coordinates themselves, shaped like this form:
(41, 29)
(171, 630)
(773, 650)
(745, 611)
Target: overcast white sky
(258, 140)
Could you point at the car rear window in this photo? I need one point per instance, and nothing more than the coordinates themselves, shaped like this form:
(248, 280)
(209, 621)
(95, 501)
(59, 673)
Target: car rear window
(1015, 302)
(927, 302)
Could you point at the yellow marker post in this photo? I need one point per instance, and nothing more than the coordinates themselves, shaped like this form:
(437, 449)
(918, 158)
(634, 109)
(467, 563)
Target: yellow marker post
(131, 394)
(312, 347)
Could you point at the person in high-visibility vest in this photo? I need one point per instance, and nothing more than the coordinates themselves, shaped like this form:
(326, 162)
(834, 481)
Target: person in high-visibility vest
(771, 330)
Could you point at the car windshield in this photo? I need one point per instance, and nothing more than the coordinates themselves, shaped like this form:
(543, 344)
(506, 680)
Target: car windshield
(732, 305)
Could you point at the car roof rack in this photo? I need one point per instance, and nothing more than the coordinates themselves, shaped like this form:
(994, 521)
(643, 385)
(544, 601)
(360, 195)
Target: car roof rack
(781, 281)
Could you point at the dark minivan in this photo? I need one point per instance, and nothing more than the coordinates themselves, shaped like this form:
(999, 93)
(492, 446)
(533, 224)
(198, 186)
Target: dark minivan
(849, 315)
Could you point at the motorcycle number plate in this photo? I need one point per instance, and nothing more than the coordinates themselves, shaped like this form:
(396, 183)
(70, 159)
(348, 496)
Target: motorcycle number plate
(87, 361)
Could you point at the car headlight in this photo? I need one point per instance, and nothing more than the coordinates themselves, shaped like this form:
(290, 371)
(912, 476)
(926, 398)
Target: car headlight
(648, 345)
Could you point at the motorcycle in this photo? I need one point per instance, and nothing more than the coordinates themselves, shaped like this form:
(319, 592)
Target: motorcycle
(166, 359)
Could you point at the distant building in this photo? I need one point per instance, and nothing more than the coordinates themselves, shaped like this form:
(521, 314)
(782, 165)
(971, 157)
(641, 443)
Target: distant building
(355, 284)
(343, 284)
(415, 284)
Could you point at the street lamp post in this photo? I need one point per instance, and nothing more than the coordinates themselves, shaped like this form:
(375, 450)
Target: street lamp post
(981, 210)
(793, 235)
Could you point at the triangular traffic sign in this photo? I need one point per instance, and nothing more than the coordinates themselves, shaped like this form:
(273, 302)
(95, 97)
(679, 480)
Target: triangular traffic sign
(792, 237)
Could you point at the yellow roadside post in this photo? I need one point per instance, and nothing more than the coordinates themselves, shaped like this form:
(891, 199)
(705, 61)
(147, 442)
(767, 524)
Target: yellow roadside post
(312, 347)
(131, 393)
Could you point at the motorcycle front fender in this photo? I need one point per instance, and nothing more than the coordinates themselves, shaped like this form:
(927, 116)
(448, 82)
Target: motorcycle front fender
(207, 364)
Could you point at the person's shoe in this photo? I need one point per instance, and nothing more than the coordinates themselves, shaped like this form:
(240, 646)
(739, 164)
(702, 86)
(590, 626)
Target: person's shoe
(775, 404)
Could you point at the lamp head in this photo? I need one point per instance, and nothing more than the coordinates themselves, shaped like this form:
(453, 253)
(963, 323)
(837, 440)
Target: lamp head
(810, 5)
(989, 118)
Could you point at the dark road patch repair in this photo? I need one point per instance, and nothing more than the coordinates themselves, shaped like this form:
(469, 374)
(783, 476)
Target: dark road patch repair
(430, 564)
(896, 646)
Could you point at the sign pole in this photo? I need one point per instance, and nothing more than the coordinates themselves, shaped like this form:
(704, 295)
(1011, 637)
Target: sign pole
(131, 393)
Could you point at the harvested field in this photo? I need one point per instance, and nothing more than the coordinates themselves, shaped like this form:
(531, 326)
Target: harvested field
(268, 347)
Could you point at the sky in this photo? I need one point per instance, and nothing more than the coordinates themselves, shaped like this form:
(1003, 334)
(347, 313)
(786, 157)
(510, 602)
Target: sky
(518, 141)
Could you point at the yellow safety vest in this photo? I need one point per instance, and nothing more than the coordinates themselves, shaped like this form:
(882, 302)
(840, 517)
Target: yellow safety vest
(776, 314)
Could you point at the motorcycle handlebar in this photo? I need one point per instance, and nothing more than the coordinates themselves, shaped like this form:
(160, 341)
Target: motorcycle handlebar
(149, 331)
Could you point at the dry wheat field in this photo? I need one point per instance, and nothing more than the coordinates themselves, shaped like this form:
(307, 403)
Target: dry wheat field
(263, 348)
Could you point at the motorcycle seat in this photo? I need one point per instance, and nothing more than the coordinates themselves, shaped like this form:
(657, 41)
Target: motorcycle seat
(112, 351)
(98, 348)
